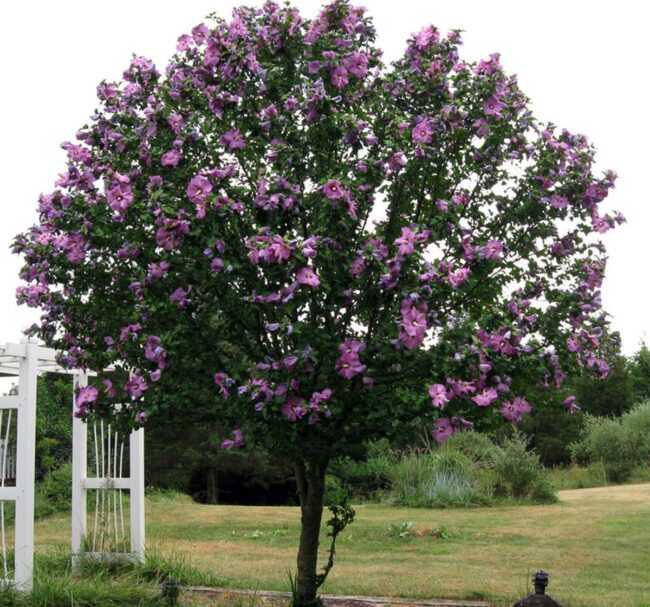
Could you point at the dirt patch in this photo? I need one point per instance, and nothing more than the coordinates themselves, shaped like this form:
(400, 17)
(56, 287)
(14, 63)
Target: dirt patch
(224, 597)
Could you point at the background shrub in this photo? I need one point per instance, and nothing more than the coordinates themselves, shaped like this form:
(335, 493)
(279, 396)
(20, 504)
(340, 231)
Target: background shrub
(619, 444)
(519, 473)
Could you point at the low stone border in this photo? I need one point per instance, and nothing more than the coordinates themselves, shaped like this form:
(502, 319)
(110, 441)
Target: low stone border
(280, 599)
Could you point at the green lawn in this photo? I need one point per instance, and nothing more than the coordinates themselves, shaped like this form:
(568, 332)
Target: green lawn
(594, 542)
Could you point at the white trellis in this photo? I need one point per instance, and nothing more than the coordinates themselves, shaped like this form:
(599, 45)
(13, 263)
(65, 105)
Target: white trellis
(18, 430)
(17, 463)
(106, 479)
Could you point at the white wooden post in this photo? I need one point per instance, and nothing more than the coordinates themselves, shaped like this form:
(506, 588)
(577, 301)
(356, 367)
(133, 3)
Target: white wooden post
(25, 459)
(136, 474)
(79, 473)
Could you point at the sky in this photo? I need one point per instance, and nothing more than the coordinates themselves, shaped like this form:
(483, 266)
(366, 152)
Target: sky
(583, 63)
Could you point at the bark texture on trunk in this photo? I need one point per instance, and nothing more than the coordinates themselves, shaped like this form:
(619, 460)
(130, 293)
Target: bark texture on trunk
(212, 496)
(310, 478)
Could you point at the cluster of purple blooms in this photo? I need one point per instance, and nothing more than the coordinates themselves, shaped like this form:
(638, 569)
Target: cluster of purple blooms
(261, 231)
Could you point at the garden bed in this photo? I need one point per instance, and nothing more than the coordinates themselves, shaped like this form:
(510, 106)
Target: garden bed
(224, 596)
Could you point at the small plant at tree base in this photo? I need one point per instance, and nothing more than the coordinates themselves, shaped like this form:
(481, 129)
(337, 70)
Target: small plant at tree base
(320, 247)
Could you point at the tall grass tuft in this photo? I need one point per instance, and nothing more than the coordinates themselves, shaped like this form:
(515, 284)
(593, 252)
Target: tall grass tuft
(434, 480)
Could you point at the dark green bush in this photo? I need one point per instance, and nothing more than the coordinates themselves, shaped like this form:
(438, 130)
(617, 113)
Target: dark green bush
(54, 493)
(363, 480)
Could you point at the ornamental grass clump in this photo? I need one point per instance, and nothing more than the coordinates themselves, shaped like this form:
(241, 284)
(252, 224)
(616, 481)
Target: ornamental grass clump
(283, 233)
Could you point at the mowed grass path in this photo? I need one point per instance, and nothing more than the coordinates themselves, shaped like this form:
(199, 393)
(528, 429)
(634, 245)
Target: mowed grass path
(595, 543)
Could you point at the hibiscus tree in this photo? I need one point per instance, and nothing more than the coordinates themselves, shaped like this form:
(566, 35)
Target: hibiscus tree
(319, 246)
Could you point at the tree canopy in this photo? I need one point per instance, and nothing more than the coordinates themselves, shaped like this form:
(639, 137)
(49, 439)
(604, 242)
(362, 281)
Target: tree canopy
(316, 244)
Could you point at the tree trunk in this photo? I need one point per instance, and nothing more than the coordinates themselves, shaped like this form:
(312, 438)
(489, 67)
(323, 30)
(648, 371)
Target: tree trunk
(212, 496)
(310, 478)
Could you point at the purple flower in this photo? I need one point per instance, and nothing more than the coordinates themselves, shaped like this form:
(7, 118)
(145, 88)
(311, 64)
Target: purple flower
(348, 364)
(198, 189)
(406, 241)
(86, 395)
(461, 387)
(233, 140)
(485, 398)
(396, 161)
(136, 386)
(414, 324)
(171, 158)
(108, 388)
(309, 247)
(438, 394)
(141, 417)
(458, 277)
(426, 36)
(200, 34)
(513, 411)
(290, 362)
(493, 250)
(155, 352)
(156, 271)
(492, 106)
(180, 297)
(357, 64)
(294, 408)
(307, 276)
(339, 77)
(176, 123)
(223, 382)
(570, 404)
(119, 198)
(236, 441)
(559, 202)
(333, 190)
(442, 430)
(318, 398)
(422, 132)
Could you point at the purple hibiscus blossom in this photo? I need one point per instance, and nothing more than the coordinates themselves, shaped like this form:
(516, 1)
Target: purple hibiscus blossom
(458, 277)
(198, 189)
(180, 297)
(493, 250)
(223, 382)
(438, 394)
(136, 386)
(485, 398)
(357, 64)
(318, 398)
(294, 409)
(119, 198)
(171, 158)
(333, 190)
(406, 241)
(514, 410)
(442, 430)
(86, 395)
(233, 140)
(570, 404)
(339, 77)
(414, 324)
(348, 364)
(422, 132)
(307, 276)
(492, 106)
(236, 441)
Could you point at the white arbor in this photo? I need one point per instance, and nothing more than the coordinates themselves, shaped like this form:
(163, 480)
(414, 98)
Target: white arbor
(17, 462)
(108, 538)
